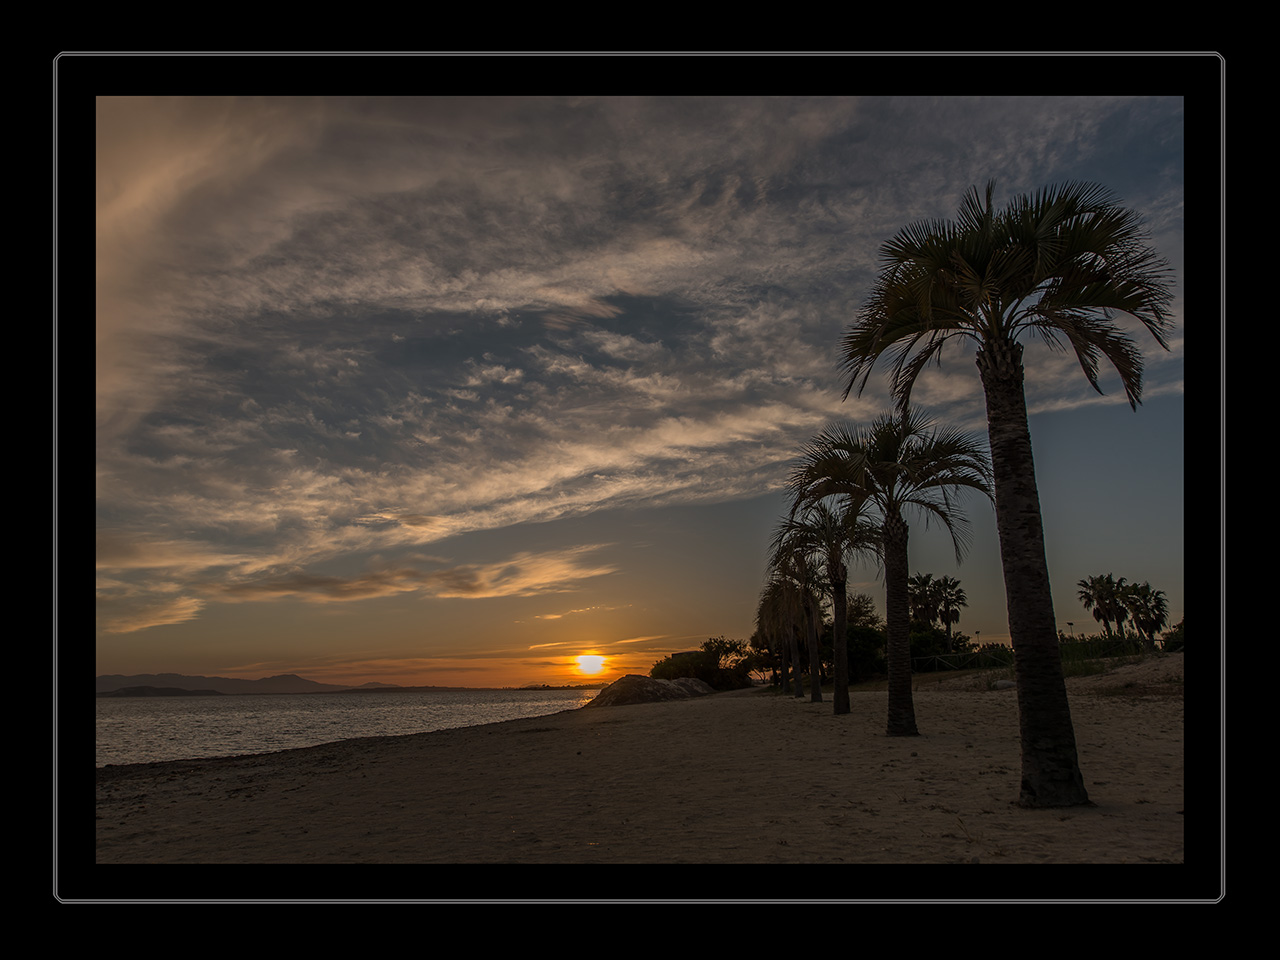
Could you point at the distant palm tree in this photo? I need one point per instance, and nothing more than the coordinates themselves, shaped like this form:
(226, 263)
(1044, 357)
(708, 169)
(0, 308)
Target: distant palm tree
(1102, 596)
(1119, 610)
(792, 560)
(833, 531)
(1058, 264)
(951, 597)
(922, 596)
(1148, 609)
(780, 610)
(771, 627)
(900, 462)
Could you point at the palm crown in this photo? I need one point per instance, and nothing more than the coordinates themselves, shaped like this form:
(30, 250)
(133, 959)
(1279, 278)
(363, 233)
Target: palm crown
(899, 461)
(1060, 263)
(830, 532)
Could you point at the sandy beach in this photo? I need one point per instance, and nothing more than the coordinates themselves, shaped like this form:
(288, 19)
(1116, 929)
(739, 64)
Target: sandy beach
(746, 777)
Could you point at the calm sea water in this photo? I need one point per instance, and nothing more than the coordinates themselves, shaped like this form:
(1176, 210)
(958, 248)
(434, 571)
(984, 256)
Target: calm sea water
(146, 729)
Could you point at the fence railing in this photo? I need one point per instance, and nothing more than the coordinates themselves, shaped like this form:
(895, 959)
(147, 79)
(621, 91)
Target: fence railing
(977, 660)
(986, 660)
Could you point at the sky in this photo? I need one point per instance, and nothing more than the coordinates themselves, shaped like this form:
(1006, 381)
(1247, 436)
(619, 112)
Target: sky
(451, 390)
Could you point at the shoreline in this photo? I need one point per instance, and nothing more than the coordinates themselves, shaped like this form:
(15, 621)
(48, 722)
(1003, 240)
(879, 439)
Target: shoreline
(753, 779)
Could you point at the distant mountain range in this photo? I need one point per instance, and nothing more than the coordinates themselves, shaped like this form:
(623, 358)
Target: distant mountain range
(286, 683)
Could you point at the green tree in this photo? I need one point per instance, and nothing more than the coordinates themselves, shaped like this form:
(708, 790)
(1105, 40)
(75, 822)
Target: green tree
(900, 462)
(1060, 264)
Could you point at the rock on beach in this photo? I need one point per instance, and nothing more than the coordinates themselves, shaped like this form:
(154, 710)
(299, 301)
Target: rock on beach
(634, 688)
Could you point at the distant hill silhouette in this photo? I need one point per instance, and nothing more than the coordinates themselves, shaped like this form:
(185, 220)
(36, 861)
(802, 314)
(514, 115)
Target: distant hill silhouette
(158, 692)
(286, 683)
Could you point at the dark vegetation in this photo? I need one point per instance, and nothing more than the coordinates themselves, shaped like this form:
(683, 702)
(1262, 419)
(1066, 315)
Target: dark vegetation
(720, 663)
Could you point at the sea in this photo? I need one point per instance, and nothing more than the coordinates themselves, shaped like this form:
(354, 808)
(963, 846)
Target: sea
(148, 729)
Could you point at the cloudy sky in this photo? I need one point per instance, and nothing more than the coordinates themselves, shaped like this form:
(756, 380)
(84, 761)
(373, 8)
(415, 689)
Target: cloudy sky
(451, 390)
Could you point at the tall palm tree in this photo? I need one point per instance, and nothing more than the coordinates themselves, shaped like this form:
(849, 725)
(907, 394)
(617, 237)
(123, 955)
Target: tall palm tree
(900, 462)
(1059, 263)
(832, 531)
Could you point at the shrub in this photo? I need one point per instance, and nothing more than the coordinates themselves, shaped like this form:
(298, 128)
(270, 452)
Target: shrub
(1172, 641)
(866, 653)
(995, 655)
(721, 664)
(926, 642)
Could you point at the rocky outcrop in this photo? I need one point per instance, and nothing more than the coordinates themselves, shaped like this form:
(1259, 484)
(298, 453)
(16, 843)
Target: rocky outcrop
(634, 688)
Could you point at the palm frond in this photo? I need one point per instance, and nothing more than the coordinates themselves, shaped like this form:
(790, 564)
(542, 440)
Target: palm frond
(901, 460)
(1063, 260)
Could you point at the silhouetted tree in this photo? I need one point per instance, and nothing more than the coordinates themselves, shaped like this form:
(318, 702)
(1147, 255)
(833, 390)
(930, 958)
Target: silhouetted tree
(1059, 264)
(830, 532)
(899, 462)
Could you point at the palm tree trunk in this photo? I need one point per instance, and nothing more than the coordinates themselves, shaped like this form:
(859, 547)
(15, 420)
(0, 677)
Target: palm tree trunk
(839, 636)
(902, 709)
(1050, 770)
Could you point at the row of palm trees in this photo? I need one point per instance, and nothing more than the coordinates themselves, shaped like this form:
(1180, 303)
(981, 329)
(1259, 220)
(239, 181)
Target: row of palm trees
(850, 493)
(1115, 601)
(1059, 264)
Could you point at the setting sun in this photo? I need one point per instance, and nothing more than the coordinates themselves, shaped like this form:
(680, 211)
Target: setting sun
(590, 663)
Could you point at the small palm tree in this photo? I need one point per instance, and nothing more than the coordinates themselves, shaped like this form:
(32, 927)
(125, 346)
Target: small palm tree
(1117, 606)
(793, 561)
(1103, 597)
(922, 595)
(951, 597)
(780, 611)
(1148, 609)
(901, 462)
(831, 532)
(1059, 264)
(771, 627)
